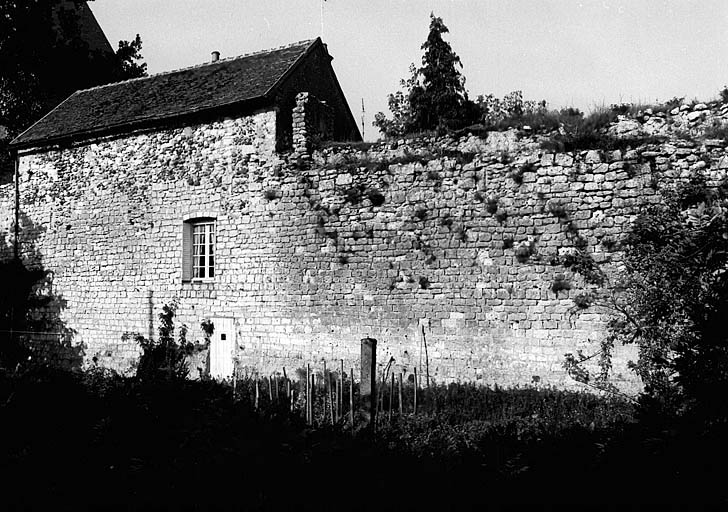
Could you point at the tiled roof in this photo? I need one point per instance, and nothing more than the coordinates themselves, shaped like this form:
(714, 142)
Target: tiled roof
(140, 101)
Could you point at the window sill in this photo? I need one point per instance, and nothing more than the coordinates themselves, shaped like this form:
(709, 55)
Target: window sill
(200, 281)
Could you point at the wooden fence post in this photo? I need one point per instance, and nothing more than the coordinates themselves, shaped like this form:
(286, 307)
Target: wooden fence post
(368, 383)
(314, 392)
(325, 394)
(308, 394)
(341, 390)
(331, 398)
(400, 394)
(415, 400)
(351, 399)
(391, 397)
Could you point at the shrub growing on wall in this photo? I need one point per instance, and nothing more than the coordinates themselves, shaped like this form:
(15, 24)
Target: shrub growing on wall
(164, 358)
(675, 299)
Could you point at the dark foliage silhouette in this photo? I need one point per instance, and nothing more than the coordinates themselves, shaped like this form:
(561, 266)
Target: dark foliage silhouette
(31, 329)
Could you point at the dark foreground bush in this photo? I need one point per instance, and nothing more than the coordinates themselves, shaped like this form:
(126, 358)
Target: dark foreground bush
(84, 440)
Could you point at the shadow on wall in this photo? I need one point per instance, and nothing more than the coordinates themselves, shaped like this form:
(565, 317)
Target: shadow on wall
(31, 329)
(7, 162)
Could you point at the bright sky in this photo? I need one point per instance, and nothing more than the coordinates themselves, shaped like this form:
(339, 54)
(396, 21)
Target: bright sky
(570, 53)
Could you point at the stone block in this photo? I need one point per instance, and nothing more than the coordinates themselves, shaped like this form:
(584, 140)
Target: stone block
(593, 157)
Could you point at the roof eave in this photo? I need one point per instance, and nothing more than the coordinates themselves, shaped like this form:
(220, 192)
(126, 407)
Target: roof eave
(316, 43)
(256, 103)
(270, 93)
(14, 143)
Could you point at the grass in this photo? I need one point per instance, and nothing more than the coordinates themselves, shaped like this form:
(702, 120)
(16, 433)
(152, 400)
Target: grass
(583, 300)
(717, 131)
(352, 163)
(560, 283)
(358, 146)
(501, 216)
(539, 122)
(95, 438)
(580, 132)
(517, 175)
(523, 253)
(557, 209)
(272, 194)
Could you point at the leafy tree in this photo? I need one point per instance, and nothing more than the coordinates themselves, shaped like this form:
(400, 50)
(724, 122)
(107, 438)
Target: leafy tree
(512, 108)
(163, 358)
(399, 106)
(435, 96)
(439, 98)
(19, 296)
(43, 59)
(127, 60)
(676, 297)
(28, 302)
(672, 302)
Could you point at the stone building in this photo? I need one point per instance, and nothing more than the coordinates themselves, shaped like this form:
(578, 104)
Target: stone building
(109, 156)
(208, 187)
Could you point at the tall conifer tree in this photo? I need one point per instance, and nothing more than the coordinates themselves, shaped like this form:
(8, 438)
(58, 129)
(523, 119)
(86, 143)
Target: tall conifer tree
(435, 94)
(439, 96)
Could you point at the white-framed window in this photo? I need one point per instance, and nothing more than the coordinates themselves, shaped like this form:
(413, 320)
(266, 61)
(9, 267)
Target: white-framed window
(203, 250)
(198, 255)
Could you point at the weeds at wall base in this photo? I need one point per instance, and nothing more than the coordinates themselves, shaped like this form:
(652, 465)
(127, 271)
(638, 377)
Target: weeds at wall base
(142, 440)
(595, 141)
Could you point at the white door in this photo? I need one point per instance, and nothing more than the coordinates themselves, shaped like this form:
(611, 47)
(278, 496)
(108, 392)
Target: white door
(222, 348)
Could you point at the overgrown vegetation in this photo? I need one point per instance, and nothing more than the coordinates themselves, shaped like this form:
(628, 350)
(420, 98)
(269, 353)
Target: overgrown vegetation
(435, 96)
(44, 57)
(491, 204)
(165, 357)
(271, 194)
(670, 301)
(434, 100)
(19, 296)
(523, 252)
(151, 442)
(560, 283)
(717, 131)
(675, 299)
(30, 309)
(583, 300)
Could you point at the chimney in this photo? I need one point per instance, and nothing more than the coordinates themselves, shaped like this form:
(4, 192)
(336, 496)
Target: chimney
(215, 56)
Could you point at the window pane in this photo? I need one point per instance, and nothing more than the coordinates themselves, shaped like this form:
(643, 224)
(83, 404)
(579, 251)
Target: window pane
(203, 250)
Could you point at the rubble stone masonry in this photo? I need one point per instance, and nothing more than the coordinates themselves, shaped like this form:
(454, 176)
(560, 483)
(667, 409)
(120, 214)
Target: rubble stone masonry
(445, 250)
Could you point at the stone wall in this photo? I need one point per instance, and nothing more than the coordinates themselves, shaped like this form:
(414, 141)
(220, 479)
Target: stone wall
(106, 218)
(446, 250)
(7, 216)
(314, 75)
(312, 121)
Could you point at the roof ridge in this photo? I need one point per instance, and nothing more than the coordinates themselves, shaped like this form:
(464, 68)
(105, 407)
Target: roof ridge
(195, 66)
